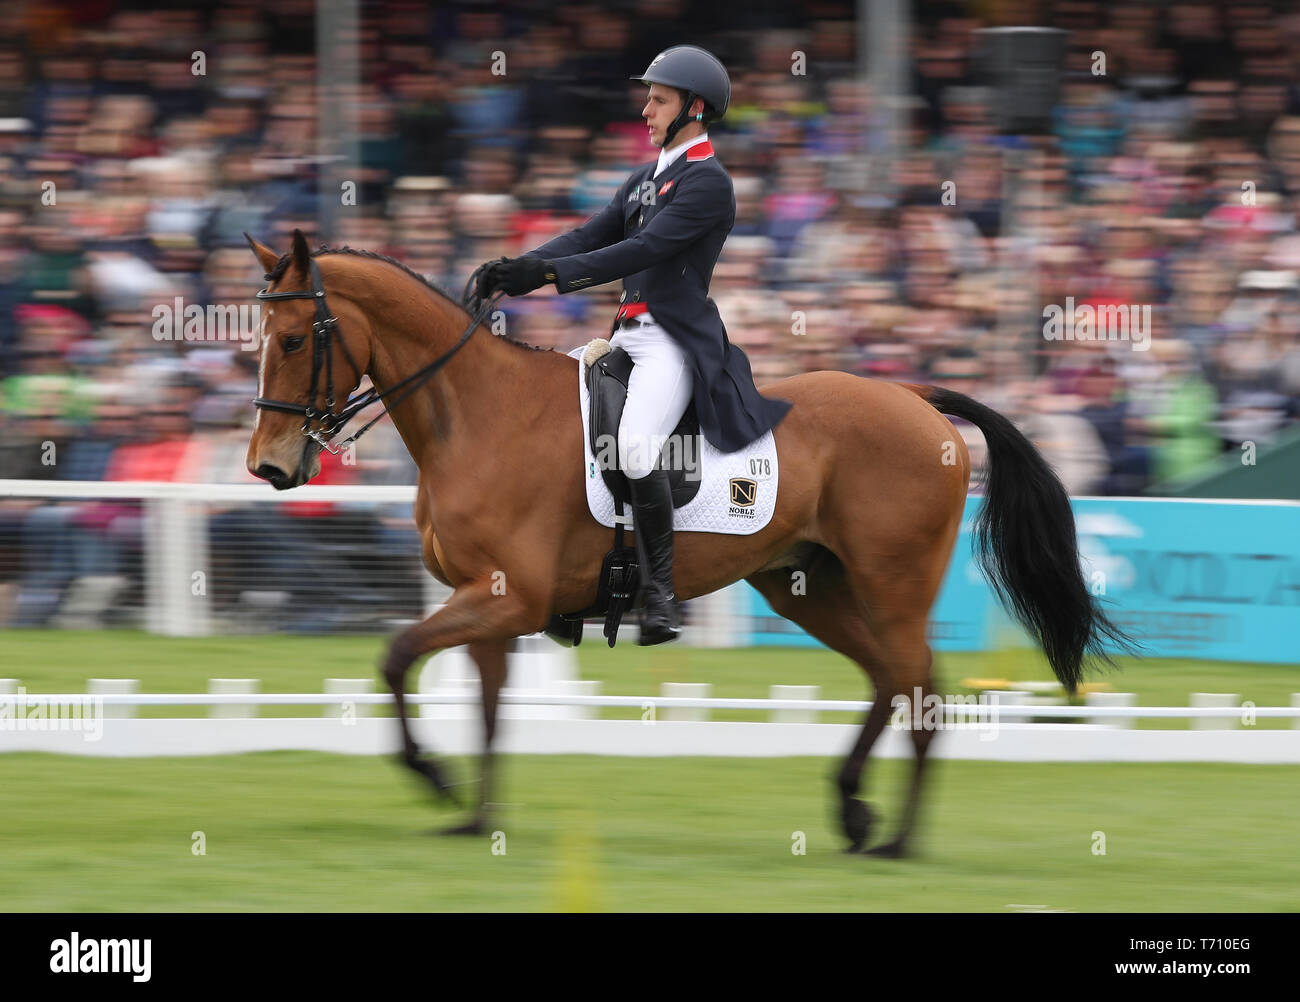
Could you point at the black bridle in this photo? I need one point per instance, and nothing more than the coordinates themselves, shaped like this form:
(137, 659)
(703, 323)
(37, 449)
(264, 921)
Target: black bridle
(323, 329)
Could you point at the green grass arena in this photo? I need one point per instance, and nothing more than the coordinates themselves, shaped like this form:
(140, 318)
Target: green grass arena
(302, 831)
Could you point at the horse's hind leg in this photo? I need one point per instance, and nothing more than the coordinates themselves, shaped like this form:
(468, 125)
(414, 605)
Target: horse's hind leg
(911, 665)
(827, 609)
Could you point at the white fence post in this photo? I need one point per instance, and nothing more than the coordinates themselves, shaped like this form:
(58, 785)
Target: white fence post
(794, 692)
(115, 687)
(1112, 699)
(349, 687)
(580, 687)
(538, 665)
(230, 687)
(685, 690)
(175, 548)
(449, 672)
(1215, 699)
(1005, 697)
(715, 619)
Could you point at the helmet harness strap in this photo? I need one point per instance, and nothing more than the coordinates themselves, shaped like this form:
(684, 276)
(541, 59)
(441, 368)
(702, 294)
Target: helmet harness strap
(682, 118)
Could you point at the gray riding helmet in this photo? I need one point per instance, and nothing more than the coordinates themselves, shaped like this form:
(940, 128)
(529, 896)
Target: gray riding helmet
(696, 71)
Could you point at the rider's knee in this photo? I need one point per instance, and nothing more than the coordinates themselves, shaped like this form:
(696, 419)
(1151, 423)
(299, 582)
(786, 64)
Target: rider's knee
(636, 454)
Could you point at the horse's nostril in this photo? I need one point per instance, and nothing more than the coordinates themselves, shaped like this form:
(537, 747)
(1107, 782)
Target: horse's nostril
(276, 476)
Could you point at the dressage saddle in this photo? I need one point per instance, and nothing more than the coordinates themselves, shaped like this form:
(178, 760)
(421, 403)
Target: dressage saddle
(608, 372)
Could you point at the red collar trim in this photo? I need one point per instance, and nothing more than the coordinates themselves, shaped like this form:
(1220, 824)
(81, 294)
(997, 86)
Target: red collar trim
(700, 151)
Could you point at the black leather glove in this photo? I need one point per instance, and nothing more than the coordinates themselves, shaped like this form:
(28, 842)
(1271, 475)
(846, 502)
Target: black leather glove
(487, 278)
(521, 275)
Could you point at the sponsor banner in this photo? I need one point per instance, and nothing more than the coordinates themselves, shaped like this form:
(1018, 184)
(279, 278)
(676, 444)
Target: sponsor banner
(1213, 580)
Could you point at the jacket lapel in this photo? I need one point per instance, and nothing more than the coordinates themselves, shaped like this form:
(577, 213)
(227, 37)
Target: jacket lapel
(666, 181)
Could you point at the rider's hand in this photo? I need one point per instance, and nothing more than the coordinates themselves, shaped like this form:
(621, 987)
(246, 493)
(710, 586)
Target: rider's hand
(521, 275)
(488, 278)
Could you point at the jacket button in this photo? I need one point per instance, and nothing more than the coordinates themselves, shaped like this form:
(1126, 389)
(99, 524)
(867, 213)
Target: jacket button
(641, 220)
(636, 296)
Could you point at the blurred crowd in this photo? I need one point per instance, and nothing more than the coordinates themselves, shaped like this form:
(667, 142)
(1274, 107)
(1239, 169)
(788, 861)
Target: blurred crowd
(898, 238)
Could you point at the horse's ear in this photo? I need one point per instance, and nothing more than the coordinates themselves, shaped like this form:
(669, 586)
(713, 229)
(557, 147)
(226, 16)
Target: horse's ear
(301, 252)
(265, 256)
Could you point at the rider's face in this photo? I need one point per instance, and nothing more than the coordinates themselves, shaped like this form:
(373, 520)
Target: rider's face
(661, 107)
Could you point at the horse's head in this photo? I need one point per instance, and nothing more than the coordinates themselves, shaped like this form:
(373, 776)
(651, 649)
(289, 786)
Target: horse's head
(314, 350)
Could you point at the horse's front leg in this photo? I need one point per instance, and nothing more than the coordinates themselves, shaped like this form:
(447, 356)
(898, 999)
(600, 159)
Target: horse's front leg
(476, 613)
(490, 657)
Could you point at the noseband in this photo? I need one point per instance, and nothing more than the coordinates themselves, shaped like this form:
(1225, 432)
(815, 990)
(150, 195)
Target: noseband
(323, 329)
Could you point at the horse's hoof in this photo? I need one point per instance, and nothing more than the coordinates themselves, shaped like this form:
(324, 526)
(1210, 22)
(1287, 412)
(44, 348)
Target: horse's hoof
(888, 850)
(437, 777)
(857, 819)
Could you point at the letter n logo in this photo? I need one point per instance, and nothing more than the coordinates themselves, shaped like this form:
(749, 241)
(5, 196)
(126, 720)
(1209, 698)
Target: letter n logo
(744, 492)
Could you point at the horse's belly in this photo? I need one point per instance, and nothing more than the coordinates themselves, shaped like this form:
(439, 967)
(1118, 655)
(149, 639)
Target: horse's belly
(434, 558)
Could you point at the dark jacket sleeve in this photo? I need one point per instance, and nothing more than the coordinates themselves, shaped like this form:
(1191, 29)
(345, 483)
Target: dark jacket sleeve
(702, 202)
(601, 230)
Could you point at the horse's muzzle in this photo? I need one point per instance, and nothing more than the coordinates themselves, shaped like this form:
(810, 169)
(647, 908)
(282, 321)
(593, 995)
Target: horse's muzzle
(276, 477)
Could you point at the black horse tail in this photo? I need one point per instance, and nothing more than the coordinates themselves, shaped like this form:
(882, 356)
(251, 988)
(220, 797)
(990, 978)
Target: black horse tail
(1026, 546)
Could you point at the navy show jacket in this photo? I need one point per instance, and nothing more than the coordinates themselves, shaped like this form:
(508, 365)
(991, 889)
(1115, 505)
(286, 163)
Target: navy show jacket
(662, 236)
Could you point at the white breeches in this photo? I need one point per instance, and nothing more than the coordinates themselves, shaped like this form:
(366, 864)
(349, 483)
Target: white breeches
(658, 393)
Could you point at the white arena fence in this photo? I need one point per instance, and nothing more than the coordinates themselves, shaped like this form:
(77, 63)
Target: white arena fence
(559, 717)
(192, 560)
(201, 559)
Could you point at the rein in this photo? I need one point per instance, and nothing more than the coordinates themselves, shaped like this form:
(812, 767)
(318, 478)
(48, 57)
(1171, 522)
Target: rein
(323, 329)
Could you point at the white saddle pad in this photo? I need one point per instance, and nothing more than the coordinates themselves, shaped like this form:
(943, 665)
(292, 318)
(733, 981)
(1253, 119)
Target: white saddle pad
(737, 492)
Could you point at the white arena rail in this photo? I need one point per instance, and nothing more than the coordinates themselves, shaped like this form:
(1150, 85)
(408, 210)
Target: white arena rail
(989, 730)
(980, 711)
(552, 711)
(176, 543)
(175, 540)
(149, 490)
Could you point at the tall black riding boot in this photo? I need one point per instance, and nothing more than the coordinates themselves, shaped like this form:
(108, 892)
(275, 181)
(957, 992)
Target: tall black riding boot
(652, 518)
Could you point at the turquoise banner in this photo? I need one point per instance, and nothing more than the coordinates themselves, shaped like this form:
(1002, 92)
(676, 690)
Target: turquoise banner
(1213, 580)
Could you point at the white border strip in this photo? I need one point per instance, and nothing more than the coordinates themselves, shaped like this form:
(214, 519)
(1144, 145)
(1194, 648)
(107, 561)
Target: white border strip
(964, 711)
(661, 738)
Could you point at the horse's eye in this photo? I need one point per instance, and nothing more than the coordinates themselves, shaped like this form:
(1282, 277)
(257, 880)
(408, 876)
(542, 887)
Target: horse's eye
(293, 343)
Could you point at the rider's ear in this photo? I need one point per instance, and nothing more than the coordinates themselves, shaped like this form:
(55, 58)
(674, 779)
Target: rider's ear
(301, 252)
(266, 257)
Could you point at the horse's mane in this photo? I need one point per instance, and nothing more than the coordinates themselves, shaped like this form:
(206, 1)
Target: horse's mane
(282, 265)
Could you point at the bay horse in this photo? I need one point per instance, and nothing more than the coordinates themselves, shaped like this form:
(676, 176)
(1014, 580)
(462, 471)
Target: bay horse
(872, 486)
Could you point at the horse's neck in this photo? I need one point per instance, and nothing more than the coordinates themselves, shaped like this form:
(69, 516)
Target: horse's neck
(466, 402)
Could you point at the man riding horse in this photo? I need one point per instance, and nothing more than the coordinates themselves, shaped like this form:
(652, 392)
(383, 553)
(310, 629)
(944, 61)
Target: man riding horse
(661, 234)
